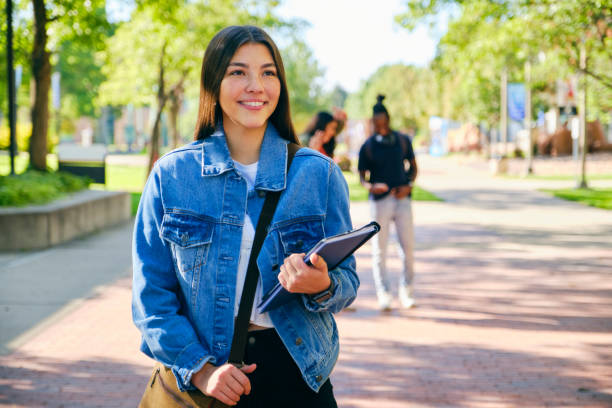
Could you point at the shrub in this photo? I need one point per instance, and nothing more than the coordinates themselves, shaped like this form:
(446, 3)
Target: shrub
(24, 132)
(35, 187)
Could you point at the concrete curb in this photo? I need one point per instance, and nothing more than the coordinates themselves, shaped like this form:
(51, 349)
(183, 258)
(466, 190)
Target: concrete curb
(43, 226)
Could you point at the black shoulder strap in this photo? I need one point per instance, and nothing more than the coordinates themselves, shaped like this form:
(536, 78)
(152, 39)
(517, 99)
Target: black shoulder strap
(241, 325)
(402, 142)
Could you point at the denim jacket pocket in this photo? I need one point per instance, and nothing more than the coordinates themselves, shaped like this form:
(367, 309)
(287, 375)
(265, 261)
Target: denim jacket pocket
(189, 236)
(297, 236)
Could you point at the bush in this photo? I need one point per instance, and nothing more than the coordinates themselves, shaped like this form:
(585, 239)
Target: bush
(24, 131)
(344, 163)
(36, 187)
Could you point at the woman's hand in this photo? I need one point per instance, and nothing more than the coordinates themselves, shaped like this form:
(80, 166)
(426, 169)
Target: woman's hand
(297, 277)
(225, 383)
(317, 140)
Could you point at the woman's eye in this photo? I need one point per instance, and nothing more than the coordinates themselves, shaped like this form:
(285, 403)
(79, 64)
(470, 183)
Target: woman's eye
(270, 73)
(237, 72)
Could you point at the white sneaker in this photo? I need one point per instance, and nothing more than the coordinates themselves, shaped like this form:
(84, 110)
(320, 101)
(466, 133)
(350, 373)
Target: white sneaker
(406, 297)
(384, 300)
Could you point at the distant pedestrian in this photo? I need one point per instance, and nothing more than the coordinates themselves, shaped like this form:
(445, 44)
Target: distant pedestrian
(387, 168)
(224, 219)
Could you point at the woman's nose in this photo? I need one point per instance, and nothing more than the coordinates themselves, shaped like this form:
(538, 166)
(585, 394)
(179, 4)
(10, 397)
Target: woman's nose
(255, 84)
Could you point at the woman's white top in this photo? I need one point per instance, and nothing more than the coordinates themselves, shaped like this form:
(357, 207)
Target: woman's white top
(248, 172)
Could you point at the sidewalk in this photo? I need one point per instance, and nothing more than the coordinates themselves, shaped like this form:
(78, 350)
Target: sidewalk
(514, 310)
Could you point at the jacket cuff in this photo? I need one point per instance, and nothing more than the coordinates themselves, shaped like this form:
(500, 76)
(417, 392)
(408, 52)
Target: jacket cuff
(314, 306)
(190, 361)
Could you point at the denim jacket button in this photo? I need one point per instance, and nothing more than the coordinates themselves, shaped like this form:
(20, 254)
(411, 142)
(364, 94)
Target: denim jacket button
(299, 243)
(261, 193)
(184, 237)
(298, 341)
(319, 378)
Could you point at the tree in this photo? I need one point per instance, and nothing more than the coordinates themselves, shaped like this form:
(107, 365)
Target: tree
(75, 20)
(158, 53)
(410, 98)
(303, 80)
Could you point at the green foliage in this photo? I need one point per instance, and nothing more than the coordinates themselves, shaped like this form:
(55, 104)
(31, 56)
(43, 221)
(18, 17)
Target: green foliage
(410, 97)
(303, 80)
(23, 130)
(135, 199)
(484, 36)
(595, 198)
(80, 78)
(358, 193)
(34, 187)
(131, 61)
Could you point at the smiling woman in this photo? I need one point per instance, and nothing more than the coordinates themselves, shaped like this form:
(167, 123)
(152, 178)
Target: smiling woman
(200, 263)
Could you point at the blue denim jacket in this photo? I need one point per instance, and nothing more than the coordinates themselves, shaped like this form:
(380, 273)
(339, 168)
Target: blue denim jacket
(186, 247)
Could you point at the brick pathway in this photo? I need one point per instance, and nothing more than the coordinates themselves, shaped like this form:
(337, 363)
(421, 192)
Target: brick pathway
(514, 310)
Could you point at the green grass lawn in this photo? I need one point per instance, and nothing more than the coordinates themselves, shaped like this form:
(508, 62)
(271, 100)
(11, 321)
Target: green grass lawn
(600, 198)
(132, 179)
(358, 193)
(561, 177)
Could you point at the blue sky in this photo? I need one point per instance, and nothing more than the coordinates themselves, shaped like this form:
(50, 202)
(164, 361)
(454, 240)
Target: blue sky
(352, 38)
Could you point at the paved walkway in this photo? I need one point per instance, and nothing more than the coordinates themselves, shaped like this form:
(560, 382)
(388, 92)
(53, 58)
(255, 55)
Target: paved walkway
(514, 309)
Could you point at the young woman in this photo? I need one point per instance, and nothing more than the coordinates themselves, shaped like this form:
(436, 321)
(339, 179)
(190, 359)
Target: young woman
(321, 132)
(194, 230)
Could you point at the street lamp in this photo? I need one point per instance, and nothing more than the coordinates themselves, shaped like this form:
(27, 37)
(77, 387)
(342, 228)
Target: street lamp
(11, 83)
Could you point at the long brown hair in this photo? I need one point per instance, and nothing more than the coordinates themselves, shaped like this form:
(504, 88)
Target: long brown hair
(217, 57)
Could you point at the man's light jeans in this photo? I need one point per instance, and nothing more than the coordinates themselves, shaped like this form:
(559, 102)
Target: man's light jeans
(385, 211)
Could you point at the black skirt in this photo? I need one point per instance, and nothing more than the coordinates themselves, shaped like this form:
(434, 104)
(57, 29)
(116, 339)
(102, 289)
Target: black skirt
(277, 381)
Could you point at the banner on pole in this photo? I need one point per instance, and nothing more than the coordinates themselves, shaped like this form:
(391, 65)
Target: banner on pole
(516, 101)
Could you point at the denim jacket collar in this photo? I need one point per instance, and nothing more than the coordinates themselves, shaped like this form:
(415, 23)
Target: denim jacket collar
(271, 175)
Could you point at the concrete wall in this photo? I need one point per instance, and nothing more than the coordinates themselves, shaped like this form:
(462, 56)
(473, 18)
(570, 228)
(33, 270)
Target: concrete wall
(42, 226)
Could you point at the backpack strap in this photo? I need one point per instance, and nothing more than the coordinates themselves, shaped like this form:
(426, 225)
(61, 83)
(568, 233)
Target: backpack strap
(241, 325)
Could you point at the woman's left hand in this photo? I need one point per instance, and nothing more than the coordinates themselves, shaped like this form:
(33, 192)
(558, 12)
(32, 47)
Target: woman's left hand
(298, 277)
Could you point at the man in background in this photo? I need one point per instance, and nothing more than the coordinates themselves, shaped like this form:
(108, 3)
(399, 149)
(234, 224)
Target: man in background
(387, 168)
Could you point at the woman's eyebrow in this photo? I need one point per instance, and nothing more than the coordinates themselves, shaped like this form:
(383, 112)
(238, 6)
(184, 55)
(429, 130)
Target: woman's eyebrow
(243, 65)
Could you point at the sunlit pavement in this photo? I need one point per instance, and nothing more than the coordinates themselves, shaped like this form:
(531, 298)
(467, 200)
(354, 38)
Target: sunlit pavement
(514, 295)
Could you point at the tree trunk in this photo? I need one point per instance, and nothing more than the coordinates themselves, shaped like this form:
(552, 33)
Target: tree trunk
(41, 71)
(161, 102)
(176, 101)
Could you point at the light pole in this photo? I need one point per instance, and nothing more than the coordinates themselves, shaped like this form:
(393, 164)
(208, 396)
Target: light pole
(581, 182)
(528, 126)
(11, 83)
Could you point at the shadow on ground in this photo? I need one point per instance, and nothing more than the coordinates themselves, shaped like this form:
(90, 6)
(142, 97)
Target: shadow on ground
(38, 382)
(439, 375)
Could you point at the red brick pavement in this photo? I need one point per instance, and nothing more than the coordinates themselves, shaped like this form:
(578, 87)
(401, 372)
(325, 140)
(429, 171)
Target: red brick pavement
(499, 323)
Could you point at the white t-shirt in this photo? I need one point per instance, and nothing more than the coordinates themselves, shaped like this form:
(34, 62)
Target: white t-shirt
(249, 171)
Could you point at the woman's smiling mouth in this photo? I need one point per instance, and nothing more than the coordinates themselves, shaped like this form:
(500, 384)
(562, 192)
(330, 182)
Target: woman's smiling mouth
(252, 104)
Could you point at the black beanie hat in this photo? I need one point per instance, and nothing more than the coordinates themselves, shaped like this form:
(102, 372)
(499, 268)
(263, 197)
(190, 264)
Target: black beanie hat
(379, 107)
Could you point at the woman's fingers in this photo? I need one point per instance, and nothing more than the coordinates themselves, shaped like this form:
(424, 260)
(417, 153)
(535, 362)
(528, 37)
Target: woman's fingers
(298, 277)
(242, 379)
(227, 396)
(227, 383)
(236, 384)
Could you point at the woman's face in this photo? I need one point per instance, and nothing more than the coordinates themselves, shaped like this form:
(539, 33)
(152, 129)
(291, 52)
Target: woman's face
(250, 88)
(330, 131)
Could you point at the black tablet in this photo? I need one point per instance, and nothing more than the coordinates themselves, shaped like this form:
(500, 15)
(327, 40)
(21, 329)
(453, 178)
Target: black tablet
(334, 250)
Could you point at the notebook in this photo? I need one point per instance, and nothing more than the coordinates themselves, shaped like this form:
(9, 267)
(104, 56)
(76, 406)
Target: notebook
(334, 250)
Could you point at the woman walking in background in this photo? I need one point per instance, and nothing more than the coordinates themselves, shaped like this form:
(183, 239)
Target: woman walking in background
(321, 132)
